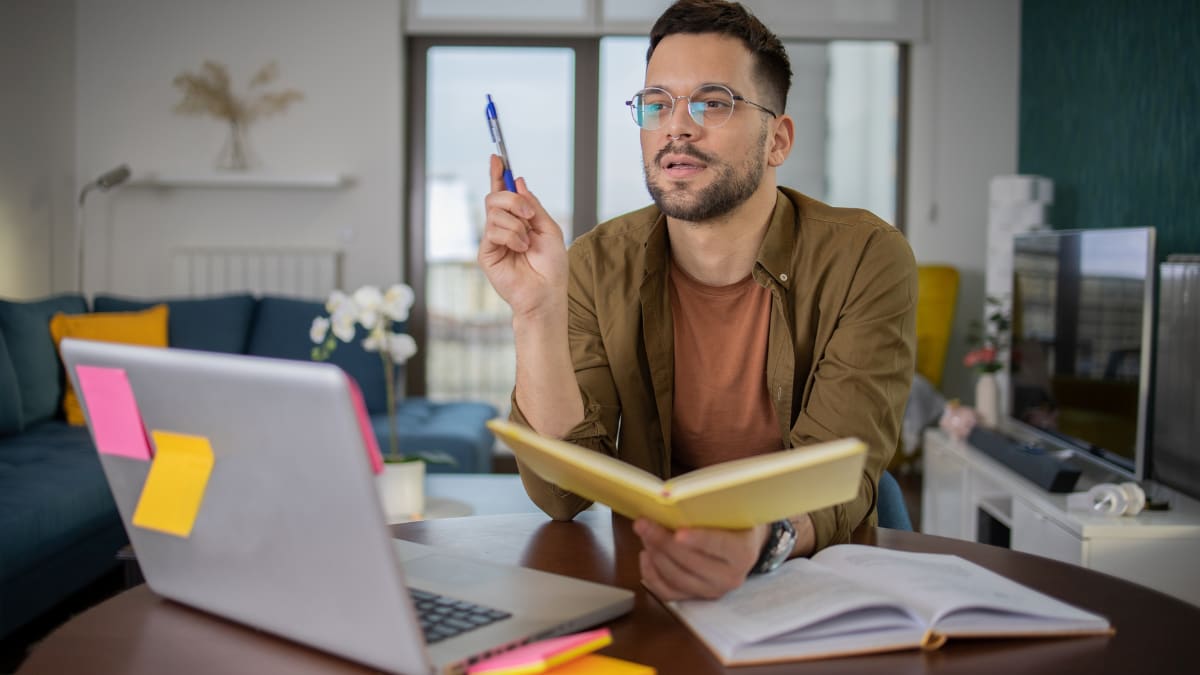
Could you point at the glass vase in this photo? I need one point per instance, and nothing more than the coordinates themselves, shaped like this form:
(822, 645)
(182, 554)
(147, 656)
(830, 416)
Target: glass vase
(235, 154)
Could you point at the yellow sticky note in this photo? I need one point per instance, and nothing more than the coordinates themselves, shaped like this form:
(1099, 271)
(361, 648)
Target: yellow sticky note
(175, 486)
(601, 665)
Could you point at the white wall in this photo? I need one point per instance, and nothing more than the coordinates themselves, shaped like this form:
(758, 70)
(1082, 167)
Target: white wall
(963, 130)
(37, 153)
(347, 58)
(344, 56)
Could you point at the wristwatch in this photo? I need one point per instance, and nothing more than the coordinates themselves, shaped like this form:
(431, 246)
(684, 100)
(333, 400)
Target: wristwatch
(777, 548)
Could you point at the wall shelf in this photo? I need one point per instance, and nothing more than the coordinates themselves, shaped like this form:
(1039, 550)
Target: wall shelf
(251, 179)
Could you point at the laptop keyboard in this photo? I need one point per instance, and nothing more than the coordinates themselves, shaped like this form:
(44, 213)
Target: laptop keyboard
(444, 617)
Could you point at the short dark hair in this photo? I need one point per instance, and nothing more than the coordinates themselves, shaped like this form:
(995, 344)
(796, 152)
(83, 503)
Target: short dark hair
(733, 20)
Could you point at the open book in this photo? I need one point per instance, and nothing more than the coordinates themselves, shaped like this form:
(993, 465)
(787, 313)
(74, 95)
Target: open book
(736, 494)
(851, 599)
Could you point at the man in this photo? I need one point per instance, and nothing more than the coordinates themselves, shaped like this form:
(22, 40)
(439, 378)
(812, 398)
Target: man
(731, 318)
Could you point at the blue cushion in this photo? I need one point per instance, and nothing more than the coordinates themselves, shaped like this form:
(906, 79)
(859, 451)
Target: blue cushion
(39, 375)
(10, 394)
(52, 491)
(281, 330)
(455, 428)
(58, 522)
(218, 324)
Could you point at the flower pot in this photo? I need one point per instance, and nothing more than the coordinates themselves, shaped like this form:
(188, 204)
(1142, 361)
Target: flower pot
(401, 489)
(987, 399)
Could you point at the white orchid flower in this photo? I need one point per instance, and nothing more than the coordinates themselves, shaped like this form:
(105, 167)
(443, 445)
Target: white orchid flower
(397, 301)
(368, 300)
(401, 347)
(335, 301)
(374, 342)
(319, 329)
(343, 321)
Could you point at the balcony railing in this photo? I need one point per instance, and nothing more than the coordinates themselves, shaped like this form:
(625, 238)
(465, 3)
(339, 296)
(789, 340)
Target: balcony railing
(470, 353)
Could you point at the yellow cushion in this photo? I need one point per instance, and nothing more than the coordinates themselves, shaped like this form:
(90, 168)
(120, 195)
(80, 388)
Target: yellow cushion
(937, 292)
(147, 327)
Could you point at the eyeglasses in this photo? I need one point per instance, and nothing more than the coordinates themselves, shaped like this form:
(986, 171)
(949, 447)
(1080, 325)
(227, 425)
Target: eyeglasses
(710, 105)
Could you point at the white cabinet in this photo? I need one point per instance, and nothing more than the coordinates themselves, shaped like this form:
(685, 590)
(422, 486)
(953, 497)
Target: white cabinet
(944, 493)
(1034, 532)
(964, 487)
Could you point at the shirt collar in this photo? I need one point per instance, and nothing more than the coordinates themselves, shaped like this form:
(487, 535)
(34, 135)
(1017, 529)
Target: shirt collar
(774, 254)
(656, 247)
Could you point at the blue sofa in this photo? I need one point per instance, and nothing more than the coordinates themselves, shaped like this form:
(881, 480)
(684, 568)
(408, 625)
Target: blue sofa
(59, 527)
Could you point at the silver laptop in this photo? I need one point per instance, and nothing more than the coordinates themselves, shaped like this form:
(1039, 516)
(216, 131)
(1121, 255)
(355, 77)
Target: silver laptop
(290, 536)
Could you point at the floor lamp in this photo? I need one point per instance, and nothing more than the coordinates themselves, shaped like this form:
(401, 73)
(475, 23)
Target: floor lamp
(104, 182)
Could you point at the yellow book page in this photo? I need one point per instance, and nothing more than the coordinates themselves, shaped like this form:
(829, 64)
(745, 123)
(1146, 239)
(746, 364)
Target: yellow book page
(174, 489)
(764, 488)
(732, 495)
(625, 488)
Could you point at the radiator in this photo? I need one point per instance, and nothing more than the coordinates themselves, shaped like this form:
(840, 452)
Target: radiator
(309, 273)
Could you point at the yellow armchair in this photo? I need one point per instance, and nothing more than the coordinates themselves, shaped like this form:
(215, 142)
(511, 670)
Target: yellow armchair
(937, 292)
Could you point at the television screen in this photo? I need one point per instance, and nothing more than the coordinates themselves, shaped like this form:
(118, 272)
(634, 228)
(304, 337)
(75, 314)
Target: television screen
(1081, 340)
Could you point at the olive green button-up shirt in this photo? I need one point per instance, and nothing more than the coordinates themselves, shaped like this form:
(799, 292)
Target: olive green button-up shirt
(840, 353)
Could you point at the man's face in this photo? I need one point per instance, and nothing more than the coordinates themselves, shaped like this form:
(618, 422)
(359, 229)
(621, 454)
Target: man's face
(697, 173)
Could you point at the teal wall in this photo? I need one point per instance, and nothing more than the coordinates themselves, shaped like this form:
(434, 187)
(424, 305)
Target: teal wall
(1110, 109)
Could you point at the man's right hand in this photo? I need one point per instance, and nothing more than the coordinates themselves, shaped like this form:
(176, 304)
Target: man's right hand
(522, 251)
(524, 257)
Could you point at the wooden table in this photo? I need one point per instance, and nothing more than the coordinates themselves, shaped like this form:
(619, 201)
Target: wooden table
(138, 632)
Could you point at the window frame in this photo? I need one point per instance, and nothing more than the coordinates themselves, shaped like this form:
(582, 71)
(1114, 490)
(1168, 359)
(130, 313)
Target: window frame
(584, 162)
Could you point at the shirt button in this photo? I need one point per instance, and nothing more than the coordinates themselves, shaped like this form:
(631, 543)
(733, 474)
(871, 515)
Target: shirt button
(783, 277)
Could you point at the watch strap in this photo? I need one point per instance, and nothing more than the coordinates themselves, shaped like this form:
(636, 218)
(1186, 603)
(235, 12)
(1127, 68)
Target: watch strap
(777, 548)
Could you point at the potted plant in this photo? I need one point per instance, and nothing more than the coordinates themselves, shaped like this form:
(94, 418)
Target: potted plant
(401, 485)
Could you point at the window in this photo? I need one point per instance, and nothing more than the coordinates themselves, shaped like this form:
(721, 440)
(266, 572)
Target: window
(463, 326)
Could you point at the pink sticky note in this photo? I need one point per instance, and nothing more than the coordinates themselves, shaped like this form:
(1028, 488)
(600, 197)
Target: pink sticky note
(116, 423)
(364, 425)
(540, 657)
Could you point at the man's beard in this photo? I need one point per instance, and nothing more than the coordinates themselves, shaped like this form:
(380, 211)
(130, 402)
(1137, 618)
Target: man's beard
(731, 187)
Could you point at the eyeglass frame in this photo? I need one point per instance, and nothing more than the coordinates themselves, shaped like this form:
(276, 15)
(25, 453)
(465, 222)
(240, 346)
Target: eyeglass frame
(671, 114)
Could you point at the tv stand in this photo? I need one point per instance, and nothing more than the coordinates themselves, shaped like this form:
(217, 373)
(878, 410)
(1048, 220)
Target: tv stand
(967, 494)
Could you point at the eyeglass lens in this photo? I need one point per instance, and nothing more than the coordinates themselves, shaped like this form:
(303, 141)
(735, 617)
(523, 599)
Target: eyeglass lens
(709, 106)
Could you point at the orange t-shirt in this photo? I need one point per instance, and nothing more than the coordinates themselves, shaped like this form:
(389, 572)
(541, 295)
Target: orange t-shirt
(722, 409)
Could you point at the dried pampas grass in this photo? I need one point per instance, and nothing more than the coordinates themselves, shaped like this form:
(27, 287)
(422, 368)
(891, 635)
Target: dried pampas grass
(209, 92)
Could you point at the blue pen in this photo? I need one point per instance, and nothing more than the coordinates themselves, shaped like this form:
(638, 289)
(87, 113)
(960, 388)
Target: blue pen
(498, 139)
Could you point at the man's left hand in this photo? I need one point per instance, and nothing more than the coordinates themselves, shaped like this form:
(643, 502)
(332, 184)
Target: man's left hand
(696, 563)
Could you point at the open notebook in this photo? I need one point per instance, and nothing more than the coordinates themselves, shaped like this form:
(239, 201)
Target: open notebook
(852, 599)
